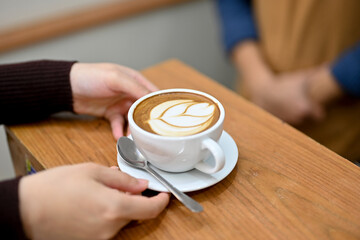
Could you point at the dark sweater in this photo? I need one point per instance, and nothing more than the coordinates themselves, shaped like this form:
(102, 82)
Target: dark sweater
(29, 91)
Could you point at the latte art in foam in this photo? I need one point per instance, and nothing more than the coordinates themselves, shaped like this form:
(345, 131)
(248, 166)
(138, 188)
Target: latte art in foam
(181, 117)
(176, 114)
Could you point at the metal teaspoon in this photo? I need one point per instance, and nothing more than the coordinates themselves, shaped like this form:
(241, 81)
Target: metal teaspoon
(127, 150)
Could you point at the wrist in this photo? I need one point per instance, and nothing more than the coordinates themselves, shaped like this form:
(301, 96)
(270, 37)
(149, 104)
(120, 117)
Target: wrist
(25, 205)
(323, 87)
(74, 74)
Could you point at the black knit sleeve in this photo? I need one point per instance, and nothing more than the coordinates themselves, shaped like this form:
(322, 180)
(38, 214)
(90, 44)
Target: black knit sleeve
(10, 221)
(34, 90)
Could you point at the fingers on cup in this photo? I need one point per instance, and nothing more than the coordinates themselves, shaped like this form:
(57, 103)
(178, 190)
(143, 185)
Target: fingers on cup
(140, 79)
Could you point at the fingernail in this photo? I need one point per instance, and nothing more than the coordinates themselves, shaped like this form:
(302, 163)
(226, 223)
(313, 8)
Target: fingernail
(143, 181)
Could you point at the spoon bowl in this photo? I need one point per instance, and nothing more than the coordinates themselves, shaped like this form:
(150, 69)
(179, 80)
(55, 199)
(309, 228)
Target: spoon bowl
(130, 154)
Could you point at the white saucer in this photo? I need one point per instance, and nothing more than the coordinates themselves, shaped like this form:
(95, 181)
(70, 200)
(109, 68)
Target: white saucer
(191, 180)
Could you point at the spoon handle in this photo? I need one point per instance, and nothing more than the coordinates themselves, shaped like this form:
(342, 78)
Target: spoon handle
(182, 197)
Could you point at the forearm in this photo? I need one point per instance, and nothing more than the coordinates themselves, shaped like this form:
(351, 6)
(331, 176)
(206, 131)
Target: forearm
(33, 90)
(250, 64)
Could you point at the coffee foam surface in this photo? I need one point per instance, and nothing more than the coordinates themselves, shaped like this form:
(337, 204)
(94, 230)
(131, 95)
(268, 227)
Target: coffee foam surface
(181, 117)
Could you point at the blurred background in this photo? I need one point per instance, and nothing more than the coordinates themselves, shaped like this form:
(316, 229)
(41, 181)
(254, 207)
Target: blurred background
(134, 33)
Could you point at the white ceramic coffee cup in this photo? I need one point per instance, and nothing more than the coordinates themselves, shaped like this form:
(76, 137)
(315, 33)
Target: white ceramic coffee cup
(180, 154)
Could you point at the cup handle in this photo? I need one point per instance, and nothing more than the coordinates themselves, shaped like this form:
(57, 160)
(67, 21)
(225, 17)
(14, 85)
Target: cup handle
(217, 153)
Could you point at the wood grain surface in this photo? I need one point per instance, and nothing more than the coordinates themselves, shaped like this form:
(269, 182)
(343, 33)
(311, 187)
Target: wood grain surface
(284, 186)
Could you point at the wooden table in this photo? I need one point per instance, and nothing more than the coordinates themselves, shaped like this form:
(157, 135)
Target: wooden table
(284, 186)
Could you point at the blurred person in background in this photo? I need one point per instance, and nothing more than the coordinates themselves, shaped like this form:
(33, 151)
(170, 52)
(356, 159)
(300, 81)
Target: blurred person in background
(300, 60)
(82, 201)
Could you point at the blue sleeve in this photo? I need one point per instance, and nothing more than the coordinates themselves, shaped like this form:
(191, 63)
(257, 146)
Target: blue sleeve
(237, 22)
(346, 70)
